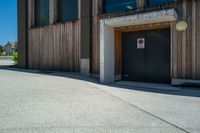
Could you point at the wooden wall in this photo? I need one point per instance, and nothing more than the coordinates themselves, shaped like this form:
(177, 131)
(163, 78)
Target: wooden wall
(95, 59)
(186, 45)
(55, 47)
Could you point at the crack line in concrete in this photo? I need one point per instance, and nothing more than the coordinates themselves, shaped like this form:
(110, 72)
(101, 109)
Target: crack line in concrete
(130, 104)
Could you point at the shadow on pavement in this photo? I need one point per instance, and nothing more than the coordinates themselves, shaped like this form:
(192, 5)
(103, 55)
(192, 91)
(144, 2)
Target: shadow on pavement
(190, 91)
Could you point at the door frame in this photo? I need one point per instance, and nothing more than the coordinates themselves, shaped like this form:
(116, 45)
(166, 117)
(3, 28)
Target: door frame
(107, 36)
(118, 43)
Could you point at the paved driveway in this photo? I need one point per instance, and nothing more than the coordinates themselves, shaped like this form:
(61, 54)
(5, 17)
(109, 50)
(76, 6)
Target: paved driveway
(6, 61)
(66, 103)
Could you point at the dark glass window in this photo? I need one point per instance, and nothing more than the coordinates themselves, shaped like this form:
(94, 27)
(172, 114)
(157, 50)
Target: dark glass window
(118, 5)
(68, 10)
(42, 12)
(153, 2)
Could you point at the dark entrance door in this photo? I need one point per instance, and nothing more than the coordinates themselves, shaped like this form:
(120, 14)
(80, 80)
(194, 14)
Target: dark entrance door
(146, 56)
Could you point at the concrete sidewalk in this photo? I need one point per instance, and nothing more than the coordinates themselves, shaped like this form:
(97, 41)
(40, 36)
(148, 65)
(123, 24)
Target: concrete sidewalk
(6, 61)
(65, 103)
(180, 108)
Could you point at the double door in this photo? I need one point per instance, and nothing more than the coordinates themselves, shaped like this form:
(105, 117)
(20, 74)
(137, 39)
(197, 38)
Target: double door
(146, 56)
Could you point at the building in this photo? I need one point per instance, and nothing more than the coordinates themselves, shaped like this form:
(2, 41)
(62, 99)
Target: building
(136, 40)
(9, 48)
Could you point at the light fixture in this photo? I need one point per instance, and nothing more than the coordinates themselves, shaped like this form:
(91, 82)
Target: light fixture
(129, 7)
(181, 26)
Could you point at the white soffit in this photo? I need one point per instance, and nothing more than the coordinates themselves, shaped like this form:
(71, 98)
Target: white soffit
(142, 18)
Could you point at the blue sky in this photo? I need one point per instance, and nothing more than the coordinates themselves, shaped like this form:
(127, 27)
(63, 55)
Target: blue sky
(8, 22)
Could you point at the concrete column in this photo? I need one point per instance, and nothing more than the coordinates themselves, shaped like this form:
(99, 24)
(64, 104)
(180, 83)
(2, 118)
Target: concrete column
(85, 18)
(107, 57)
(23, 33)
(141, 3)
(31, 13)
(53, 11)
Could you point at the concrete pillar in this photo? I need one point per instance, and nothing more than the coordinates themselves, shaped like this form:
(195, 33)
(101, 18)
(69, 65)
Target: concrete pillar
(107, 55)
(141, 3)
(23, 33)
(85, 17)
(53, 11)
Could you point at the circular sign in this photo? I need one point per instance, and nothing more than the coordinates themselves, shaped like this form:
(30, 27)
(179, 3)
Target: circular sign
(141, 41)
(181, 26)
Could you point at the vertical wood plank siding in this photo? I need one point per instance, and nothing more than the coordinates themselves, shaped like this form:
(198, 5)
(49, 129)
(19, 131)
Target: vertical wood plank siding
(185, 46)
(184, 43)
(198, 40)
(55, 47)
(194, 41)
(31, 13)
(96, 9)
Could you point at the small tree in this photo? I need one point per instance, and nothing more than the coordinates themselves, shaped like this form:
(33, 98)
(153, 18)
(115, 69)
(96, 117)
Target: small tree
(16, 47)
(15, 54)
(1, 49)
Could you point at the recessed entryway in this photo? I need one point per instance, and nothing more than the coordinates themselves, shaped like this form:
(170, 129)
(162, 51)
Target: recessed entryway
(107, 36)
(146, 56)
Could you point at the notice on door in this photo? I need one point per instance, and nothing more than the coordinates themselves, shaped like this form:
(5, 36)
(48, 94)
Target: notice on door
(140, 43)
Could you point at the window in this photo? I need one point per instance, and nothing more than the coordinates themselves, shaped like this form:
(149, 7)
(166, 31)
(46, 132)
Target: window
(42, 12)
(118, 5)
(68, 10)
(153, 2)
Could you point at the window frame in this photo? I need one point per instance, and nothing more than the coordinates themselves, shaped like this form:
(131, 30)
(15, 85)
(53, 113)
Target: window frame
(60, 12)
(158, 3)
(104, 6)
(37, 22)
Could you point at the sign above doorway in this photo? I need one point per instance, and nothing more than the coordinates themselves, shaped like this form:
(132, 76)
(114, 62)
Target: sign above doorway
(140, 43)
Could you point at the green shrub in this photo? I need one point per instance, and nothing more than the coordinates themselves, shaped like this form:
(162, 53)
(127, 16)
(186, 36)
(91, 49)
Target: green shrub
(15, 57)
